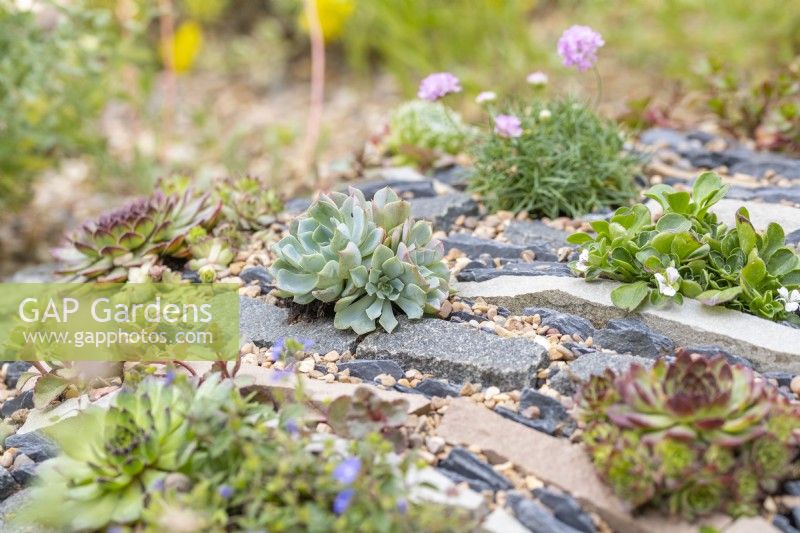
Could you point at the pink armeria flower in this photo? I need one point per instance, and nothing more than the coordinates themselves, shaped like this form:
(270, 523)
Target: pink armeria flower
(437, 85)
(578, 47)
(537, 79)
(507, 126)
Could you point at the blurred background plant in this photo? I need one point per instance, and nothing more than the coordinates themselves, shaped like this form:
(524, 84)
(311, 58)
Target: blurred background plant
(99, 98)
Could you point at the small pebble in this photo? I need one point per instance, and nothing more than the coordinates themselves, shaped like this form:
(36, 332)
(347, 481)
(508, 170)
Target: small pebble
(795, 385)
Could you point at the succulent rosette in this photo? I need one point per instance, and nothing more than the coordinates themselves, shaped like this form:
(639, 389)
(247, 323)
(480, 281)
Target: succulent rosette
(248, 203)
(695, 436)
(368, 257)
(104, 249)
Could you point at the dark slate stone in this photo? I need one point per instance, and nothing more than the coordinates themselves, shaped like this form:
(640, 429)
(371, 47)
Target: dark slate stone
(263, 324)
(793, 237)
(626, 335)
(34, 445)
(22, 401)
(701, 158)
(795, 513)
(664, 136)
(701, 136)
(783, 524)
(592, 364)
(539, 424)
(549, 408)
(259, 275)
(792, 488)
(761, 164)
(566, 509)
(8, 485)
(406, 390)
(563, 322)
(784, 379)
(191, 275)
(455, 176)
(709, 351)
(406, 188)
(537, 268)
(771, 195)
(463, 316)
(297, 205)
(535, 516)
(24, 474)
(14, 370)
(466, 464)
(534, 232)
(368, 370)
(475, 484)
(437, 387)
(445, 209)
(476, 246)
(457, 352)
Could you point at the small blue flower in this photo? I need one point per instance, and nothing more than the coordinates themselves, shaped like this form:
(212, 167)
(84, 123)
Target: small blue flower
(225, 491)
(277, 348)
(169, 378)
(402, 506)
(281, 375)
(291, 428)
(343, 500)
(347, 471)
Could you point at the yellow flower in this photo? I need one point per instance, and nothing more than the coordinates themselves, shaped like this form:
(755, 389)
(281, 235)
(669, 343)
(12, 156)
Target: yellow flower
(183, 47)
(333, 15)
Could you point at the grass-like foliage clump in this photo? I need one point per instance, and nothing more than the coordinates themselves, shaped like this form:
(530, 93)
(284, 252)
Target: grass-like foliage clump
(691, 437)
(168, 456)
(689, 253)
(565, 161)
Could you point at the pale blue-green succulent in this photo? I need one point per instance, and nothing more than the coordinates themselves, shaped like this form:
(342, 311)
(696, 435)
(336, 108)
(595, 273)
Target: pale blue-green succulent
(367, 257)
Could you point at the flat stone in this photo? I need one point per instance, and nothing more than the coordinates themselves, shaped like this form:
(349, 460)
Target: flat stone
(34, 445)
(534, 232)
(664, 137)
(445, 209)
(771, 195)
(793, 237)
(457, 352)
(770, 346)
(42, 418)
(563, 322)
(35, 274)
(750, 524)
(23, 400)
(792, 488)
(784, 379)
(550, 410)
(263, 324)
(566, 509)
(259, 275)
(782, 524)
(593, 364)
(8, 485)
(536, 517)
(368, 370)
(14, 370)
(437, 387)
(500, 521)
(788, 168)
(405, 187)
(537, 268)
(710, 351)
(554, 461)
(24, 474)
(761, 214)
(454, 176)
(467, 465)
(430, 485)
(473, 247)
(632, 336)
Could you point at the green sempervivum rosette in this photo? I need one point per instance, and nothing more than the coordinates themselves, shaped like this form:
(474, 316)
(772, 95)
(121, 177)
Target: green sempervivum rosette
(109, 461)
(693, 436)
(367, 257)
(106, 248)
(248, 203)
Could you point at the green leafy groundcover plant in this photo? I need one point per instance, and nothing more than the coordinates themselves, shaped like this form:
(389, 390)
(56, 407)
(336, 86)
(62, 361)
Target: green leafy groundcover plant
(692, 437)
(689, 253)
(367, 257)
(420, 131)
(567, 161)
(168, 456)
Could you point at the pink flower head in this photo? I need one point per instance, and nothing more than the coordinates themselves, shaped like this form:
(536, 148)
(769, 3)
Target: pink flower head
(538, 78)
(578, 47)
(437, 85)
(507, 126)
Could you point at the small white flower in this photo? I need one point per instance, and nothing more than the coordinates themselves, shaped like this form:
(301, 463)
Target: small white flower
(664, 287)
(583, 262)
(486, 96)
(791, 301)
(673, 276)
(537, 79)
(544, 115)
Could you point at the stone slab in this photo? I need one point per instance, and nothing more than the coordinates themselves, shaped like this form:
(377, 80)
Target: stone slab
(761, 214)
(771, 346)
(554, 461)
(263, 324)
(443, 210)
(457, 352)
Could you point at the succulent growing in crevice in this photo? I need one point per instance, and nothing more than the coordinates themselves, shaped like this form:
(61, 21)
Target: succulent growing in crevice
(367, 257)
(104, 249)
(247, 202)
(210, 256)
(694, 436)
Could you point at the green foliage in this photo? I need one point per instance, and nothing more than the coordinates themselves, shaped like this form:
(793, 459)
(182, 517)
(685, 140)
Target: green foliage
(569, 163)
(365, 412)
(210, 256)
(106, 248)
(248, 203)
(766, 110)
(159, 461)
(412, 38)
(367, 257)
(691, 437)
(689, 253)
(420, 131)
